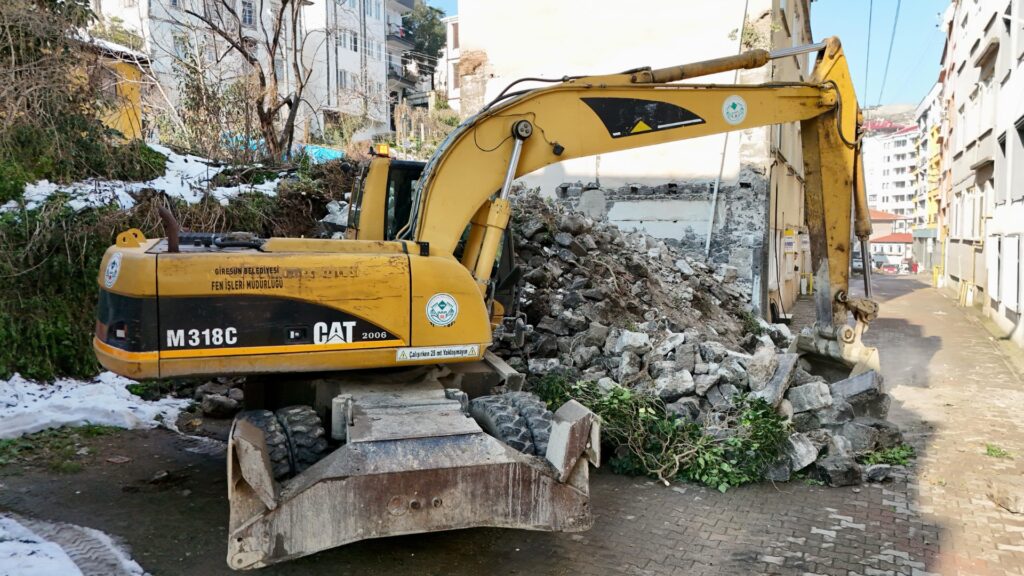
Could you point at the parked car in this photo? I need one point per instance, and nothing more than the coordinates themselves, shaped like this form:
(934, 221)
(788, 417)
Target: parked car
(890, 269)
(857, 263)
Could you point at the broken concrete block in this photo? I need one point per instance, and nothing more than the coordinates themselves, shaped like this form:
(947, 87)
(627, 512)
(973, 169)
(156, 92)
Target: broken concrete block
(687, 408)
(712, 351)
(210, 388)
(877, 472)
(838, 413)
(217, 406)
(704, 382)
(584, 356)
(660, 367)
(865, 392)
(722, 396)
(574, 223)
(686, 357)
(669, 343)
(762, 367)
(838, 471)
(810, 396)
(775, 388)
(1007, 492)
(607, 385)
(800, 451)
(629, 366)
(683, 266)
(543, 365)
(804, 421)
(672, 386)
(785, 409)
(595, 335)
(629, 341)
(863, 439)
(889, 435)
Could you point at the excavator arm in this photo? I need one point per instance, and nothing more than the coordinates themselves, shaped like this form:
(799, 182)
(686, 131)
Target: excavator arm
(469, 177)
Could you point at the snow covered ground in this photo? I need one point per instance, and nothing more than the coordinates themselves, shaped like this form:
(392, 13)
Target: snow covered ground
(187, 177)
(30, 547)
(27, 406)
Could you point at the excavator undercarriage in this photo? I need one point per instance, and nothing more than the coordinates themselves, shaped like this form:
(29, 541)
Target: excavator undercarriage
(411, 459)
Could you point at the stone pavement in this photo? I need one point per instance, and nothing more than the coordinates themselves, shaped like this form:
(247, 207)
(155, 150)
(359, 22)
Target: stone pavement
(954, 392)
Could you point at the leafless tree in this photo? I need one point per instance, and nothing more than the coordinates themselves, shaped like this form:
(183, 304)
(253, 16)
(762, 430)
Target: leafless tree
(259, 34)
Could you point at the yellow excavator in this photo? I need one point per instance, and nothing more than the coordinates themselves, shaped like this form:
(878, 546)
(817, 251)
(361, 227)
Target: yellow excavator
(362, 352)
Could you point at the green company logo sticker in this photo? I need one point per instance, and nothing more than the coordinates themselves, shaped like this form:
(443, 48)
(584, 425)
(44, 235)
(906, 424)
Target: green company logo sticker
(442, 309)
(113, 270)
(734, 109)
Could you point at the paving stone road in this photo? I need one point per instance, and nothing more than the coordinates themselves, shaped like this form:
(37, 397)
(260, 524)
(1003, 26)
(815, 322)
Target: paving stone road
(955, 391)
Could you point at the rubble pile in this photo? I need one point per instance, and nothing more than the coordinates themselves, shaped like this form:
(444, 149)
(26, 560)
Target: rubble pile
(625, 309)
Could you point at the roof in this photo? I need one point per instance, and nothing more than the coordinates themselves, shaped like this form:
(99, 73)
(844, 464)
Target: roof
(899, 238)
(879, 215)
(113, 49)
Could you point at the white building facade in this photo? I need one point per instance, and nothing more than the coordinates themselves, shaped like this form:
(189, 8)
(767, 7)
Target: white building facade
(343, 42)
(890, 171)
(984, 81)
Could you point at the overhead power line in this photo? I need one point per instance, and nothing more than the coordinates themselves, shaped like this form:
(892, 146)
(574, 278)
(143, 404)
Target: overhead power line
(888, 58)
(867, 56)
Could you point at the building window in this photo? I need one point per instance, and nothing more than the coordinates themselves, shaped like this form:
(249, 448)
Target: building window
(175, 3)
(455, 77)
(181, 47)
(376, 9)
(279, 69)
(455, 35)
(368, 8)
(354, 45)
(129, 3)
(342, 78)
(248, 14)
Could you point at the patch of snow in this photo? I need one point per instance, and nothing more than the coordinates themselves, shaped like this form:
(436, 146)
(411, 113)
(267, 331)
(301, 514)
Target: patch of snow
(23, 553)
(33, 547)
(187, 177)
(27, 406)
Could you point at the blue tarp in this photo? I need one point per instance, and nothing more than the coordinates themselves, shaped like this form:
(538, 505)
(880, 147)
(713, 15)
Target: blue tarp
(319, 154)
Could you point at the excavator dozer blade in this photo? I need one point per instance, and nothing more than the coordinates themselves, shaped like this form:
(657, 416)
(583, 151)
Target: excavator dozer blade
(424, 468)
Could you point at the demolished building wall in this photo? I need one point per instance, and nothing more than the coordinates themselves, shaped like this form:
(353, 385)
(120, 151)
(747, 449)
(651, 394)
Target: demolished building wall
(665, 190)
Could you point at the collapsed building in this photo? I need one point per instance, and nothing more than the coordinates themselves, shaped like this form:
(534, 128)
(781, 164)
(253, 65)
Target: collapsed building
(625, 309)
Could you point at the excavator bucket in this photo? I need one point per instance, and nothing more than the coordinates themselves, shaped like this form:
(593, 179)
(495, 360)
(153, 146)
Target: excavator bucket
(412, 461)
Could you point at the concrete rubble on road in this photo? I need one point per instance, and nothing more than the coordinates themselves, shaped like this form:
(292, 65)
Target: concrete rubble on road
(623, 309)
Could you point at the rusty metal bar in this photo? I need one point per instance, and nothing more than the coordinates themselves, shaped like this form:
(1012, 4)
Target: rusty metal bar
(746, 60)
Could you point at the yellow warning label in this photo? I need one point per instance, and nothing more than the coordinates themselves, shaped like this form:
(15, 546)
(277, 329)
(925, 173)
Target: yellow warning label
(641, 126)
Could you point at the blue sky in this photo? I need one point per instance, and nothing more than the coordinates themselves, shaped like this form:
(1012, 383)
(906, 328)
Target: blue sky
(915, 51)
(916, 48)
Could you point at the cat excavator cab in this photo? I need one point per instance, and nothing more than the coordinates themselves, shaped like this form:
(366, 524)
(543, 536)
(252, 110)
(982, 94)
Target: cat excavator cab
(358, 331)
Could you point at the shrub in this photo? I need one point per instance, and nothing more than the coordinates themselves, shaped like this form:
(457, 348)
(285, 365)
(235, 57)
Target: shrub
(644, 439)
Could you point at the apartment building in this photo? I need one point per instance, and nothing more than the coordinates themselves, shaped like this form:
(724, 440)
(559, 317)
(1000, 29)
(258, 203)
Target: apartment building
(447, 74)
(984, 78)
(354, 48)
(891, 171)
(927, 249)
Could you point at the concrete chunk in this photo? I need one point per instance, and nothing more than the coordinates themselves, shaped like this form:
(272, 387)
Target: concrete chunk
(635, 342)
(674, 385)
(865, 392)
(775, 389)
(800, 450)
(722, 396)
(810, 396)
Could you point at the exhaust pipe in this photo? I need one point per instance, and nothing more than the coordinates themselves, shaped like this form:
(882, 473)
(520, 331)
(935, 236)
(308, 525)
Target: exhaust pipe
(171, 228)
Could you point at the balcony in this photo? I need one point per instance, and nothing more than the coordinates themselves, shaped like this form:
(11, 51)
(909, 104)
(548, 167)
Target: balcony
(398, 38)
(398, 77)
